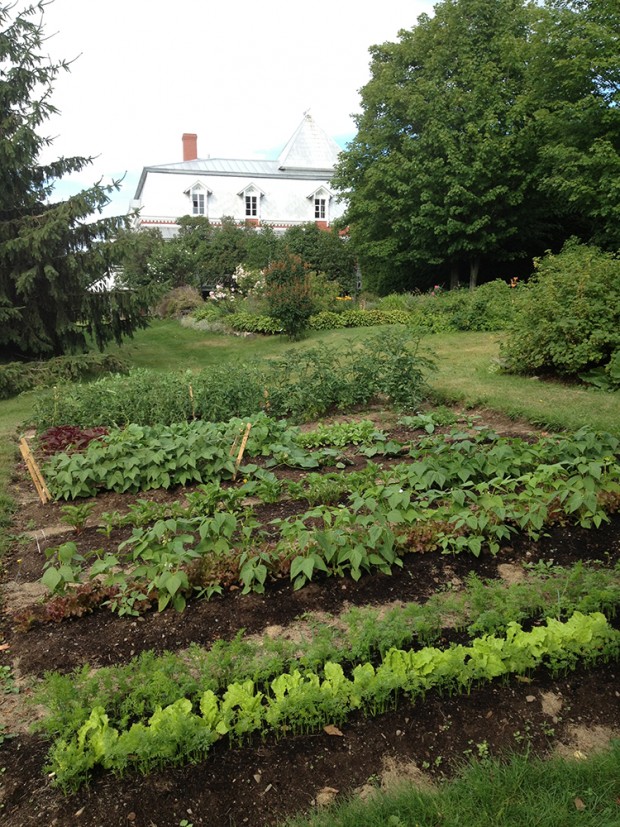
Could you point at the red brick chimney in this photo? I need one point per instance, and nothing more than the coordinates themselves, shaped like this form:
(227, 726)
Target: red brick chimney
(190, 146)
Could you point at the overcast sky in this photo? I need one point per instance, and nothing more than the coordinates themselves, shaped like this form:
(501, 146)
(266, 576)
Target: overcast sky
(240, 74)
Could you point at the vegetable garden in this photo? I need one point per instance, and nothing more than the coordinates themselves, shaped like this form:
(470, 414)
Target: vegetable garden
(259, 614)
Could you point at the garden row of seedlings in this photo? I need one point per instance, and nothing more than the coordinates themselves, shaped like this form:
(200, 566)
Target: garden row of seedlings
(463, 491)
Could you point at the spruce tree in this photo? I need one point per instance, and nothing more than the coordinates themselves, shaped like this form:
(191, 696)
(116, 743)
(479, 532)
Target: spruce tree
(54, 258)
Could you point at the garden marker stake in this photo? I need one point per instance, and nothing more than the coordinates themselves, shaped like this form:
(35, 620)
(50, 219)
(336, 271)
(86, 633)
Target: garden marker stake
(35, 472)
(244, 441)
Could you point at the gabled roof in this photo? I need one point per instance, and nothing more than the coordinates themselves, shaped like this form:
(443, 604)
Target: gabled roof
(309, 148)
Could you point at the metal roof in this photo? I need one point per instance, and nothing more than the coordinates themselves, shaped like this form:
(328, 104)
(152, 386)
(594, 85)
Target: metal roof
(310, 153)
(309, 148)
(222, 166)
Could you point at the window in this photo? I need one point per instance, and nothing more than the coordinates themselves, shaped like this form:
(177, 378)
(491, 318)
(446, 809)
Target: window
(319, 208)
(251, 206)
(198, 202)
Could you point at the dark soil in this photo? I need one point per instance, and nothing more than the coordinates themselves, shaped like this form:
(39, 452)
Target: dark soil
(266, 780)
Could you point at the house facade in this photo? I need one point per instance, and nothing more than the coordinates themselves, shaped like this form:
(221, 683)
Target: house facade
(292, 189)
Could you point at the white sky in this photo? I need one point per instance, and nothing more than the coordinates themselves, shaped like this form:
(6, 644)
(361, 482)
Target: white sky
(239, 73)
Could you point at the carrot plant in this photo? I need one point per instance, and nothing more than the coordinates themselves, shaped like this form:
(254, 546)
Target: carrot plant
(303, 701)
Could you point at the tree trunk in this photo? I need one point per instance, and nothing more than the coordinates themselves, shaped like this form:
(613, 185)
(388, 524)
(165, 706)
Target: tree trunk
(454, 277)
(474, 267)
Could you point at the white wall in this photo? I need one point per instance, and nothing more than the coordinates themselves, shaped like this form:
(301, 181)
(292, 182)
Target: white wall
(284, 201)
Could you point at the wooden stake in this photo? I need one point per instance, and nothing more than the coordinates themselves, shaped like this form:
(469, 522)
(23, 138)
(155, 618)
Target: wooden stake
(244, 441)
(191, 396)
(35, 472)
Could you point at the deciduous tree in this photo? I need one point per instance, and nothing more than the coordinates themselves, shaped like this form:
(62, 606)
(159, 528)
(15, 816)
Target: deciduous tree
(488, 132)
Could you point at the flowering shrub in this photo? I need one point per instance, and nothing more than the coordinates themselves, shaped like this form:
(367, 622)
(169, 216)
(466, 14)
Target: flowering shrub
(241, 285)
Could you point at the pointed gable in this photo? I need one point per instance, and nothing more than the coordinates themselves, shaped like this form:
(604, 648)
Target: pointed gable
(309, 148)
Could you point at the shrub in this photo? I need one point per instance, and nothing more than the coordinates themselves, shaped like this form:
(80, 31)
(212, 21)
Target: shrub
(179, 301)
(325, 293)
(398, 301)
(289, 294)
(493, 306)
(17, 377)
(569, 316)
(209, 311)
(252, 323)
(359, 318)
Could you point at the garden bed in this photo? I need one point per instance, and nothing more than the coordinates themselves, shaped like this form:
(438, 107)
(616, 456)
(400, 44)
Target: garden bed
(269, 777)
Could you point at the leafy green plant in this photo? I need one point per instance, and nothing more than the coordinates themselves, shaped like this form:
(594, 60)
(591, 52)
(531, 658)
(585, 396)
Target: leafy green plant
(76, 515)
(63, 566)
(7, 681)
(429, 422)
(301, 701)
(340, 434)
(569, 319)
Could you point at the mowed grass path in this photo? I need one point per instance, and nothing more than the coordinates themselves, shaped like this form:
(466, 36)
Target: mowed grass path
(468, 373)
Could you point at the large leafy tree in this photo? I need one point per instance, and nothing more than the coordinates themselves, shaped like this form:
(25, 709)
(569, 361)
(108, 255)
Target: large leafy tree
(487, 133)
(435, 173)
(574, 92)
(54, 258)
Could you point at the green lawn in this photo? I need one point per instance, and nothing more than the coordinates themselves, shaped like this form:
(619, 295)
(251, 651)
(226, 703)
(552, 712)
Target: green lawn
(165, 345)
(467, 372)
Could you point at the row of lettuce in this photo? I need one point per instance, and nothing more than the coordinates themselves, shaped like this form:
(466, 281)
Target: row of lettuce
(299, 702)
(167, 709)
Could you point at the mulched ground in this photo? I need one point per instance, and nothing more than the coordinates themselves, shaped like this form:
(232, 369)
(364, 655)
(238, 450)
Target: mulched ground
(265, 780)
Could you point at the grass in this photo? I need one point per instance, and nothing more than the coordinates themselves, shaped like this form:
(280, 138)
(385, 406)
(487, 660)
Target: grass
(521, 792)
(166, 345)
(468, 374)
(12, 412)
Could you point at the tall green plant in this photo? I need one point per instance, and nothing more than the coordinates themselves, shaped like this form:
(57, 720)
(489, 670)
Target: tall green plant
(289, 294)
(569, 318)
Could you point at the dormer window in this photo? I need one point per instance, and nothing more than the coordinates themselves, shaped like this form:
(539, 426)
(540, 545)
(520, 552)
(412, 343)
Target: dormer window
(198, 196)
(251, 196)
(320, 200)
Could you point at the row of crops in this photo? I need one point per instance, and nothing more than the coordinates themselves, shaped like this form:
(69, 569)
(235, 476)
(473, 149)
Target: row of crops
(465, 491)
(300, 702)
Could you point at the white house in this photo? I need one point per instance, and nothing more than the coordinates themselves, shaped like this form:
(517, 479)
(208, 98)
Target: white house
(293, 189)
